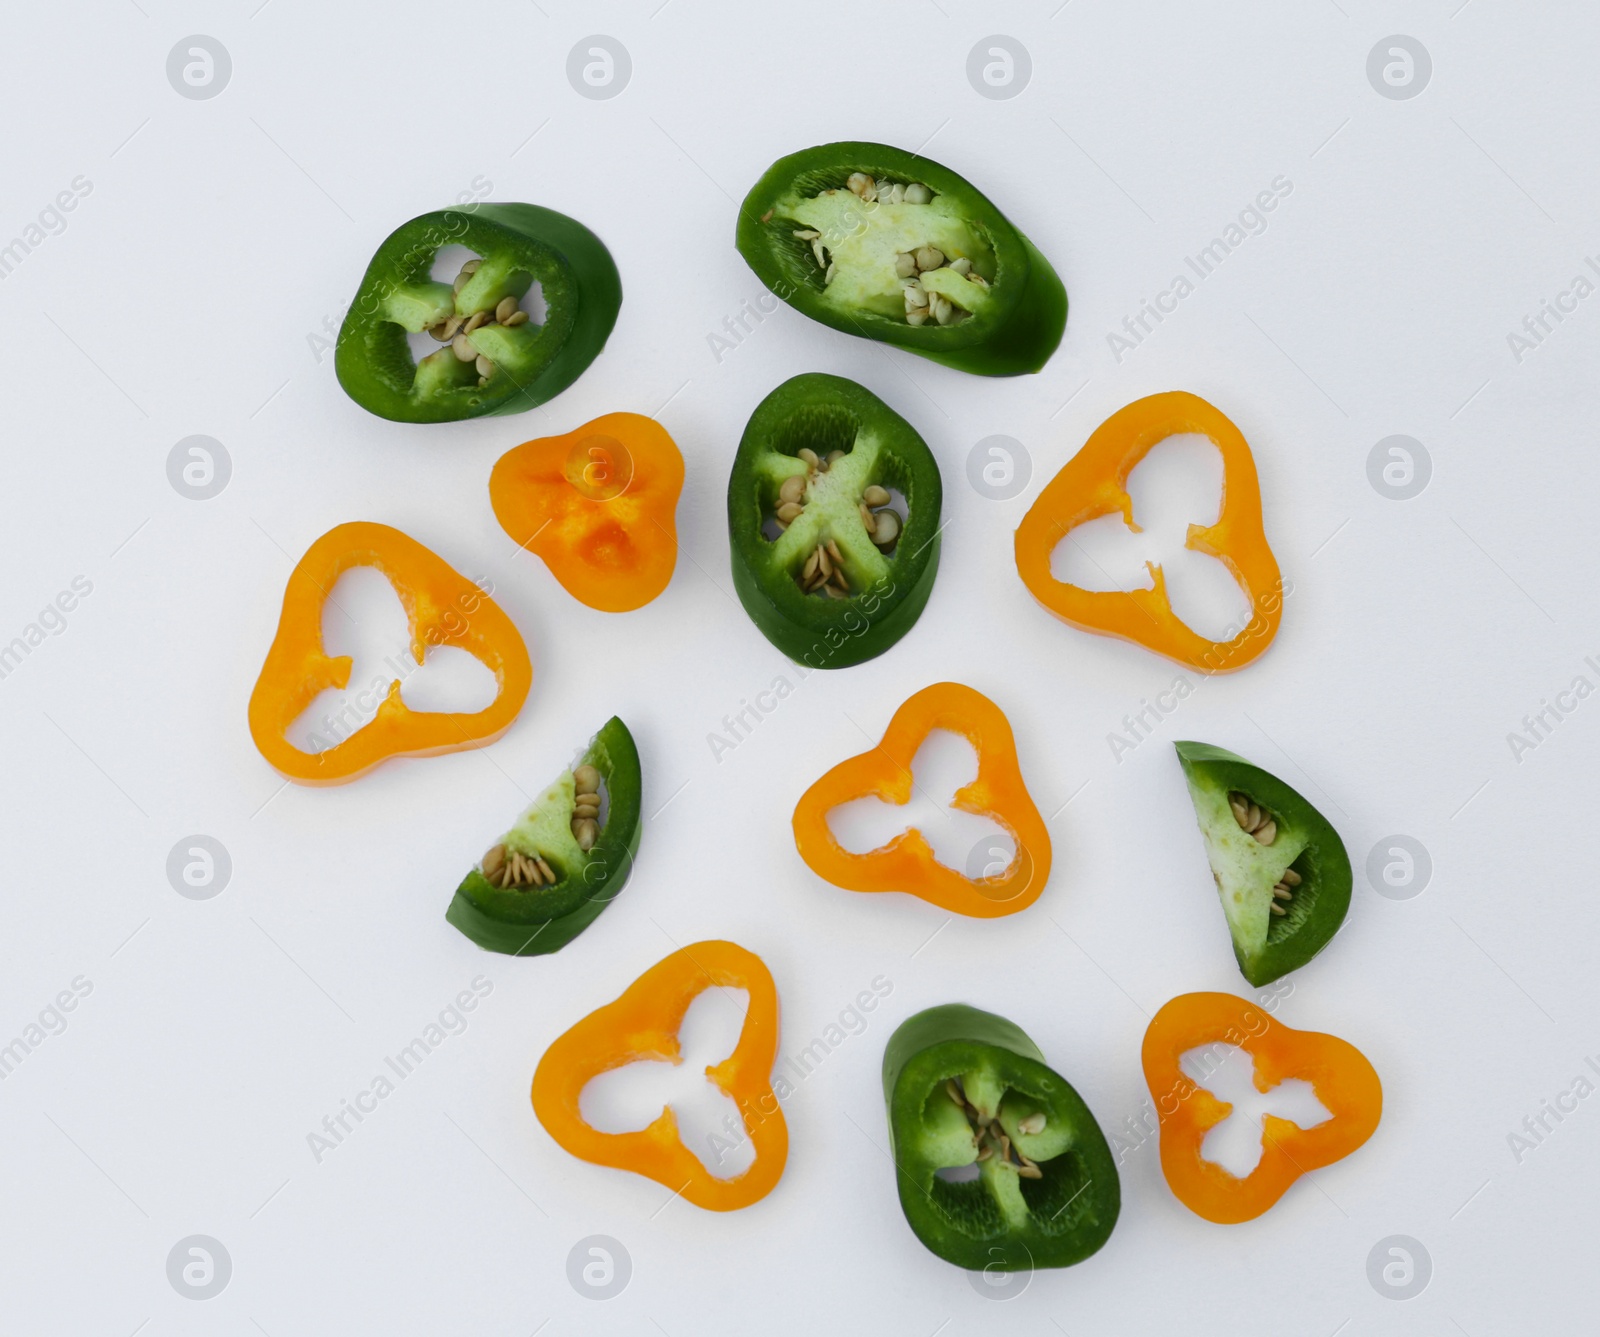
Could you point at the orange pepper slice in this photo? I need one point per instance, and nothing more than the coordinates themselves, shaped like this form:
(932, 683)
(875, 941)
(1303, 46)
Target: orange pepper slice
(1094, 482)
(643, 1024)
(907, 862)
(444, 608)
(599, 505)
(1339, 1073)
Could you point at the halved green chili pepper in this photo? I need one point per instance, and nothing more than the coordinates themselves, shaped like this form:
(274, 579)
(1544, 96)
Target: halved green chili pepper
(818, 464)
(505, 363)
(892, 246)
(548, 878)
(968, 1088)
(1281, 870)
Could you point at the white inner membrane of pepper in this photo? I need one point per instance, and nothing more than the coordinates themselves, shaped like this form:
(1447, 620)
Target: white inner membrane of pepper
(1228, 1073)
(1177, 484)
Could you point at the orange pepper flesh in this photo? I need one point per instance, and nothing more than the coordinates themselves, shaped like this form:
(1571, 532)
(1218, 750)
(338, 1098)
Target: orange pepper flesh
(1339, 1073)
(1094, 482)
(643, 1024)
(907, 862)
(443, 608)
(599, 505)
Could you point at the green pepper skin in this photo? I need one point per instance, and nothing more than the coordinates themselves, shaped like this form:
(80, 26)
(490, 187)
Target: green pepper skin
(1024, 321)
(520, 244)
(999, 1221)
(538, 921)
(827, 412)
(1267, 946)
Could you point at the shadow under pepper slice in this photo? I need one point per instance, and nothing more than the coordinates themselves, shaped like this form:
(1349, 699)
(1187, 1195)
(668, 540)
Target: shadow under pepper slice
(1094, 482)
(889, 245)
(491, 359)
(1281, 870)
(907, 863)
(827, 564)
(643, 1024)
(443, 608)
(1338, 1072)
(549, 877)
(968, 1088)
(599, 505)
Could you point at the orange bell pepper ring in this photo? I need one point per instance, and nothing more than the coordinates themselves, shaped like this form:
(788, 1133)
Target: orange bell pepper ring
(1094, 482)
(1339, 1074)
(907, 862)
(643, 1024)
(443, 607)
(599, 505)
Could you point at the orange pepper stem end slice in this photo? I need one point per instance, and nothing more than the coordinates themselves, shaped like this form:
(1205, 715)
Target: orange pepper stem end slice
(599, 505)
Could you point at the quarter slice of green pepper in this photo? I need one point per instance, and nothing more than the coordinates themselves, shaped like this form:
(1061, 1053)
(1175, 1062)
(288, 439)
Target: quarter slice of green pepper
(1285, 888)
(844, 453)
(968, 1088)
(517, 245)
(534, 920)
(830, 229)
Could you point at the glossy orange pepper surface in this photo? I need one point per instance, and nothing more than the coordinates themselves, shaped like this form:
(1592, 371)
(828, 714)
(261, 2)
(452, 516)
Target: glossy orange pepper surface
(907, 862)
(599, 505)
(1338, 1072)
(443, 607)
(643, 1024)
(1095, 483)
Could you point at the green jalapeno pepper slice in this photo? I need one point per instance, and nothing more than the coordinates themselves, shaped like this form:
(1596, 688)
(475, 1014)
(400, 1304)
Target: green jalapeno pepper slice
(892, 246)
(492, 357)
(559, 881)
(966, 1088)
(1280, 868)
(822, 458)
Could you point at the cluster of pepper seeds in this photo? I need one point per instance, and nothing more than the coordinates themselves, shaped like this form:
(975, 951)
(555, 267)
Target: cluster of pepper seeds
(920, 304)
(586, 812)
(992, 1139)
(457, 330)
(1255, 820)
(823, 572)
(505, 868)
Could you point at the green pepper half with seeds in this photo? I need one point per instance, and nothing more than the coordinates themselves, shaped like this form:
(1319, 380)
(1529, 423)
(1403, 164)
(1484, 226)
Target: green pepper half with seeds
(493, 358)
(1280, 868)
(549, 877)
(1000, 1165)
(828, 563)
(892, 246)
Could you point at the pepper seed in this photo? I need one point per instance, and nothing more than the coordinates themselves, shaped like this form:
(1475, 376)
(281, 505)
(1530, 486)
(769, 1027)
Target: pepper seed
(789, 512)
(885, 528)
(929, 257)
(485, 367)
(917, 193)
(517, 317)
(587, 779)
(875, 495)
(1291, 877)
(905, 265)
(502, 313)
(462, 347)
(1032, 1124)
(809, 456)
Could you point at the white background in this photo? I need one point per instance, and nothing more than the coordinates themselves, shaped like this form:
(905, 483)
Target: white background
(221, 233)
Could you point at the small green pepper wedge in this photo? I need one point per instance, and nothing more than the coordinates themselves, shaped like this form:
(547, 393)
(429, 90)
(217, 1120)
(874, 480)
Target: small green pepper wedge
(503, 364)
(968, 1088)
(1280, 868)
(891, 246)
(549, 877)
(828, 565)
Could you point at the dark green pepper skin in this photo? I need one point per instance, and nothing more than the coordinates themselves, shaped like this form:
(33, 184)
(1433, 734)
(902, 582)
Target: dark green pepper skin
(826, 412)
(1267, 946)
(1025, 320)
(1060, 1219)
(582, 293)
(538, 921)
